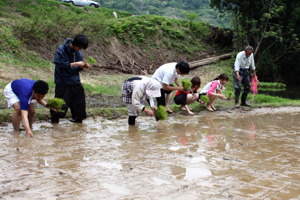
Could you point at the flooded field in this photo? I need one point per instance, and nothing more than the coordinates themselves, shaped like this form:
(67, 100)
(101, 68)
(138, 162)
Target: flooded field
(221, 155)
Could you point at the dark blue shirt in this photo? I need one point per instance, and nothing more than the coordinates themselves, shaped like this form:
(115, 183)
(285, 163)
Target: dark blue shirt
(64, 75)
(23, 89)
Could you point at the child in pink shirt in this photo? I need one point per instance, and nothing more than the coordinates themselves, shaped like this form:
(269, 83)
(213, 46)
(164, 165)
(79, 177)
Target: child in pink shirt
(214, 91)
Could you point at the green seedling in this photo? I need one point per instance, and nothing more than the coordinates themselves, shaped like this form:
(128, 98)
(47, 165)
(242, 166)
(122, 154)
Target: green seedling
(56, 103)
(91, 60)
(230, 95)
(204, 98)
(161, 113)
(186, 84)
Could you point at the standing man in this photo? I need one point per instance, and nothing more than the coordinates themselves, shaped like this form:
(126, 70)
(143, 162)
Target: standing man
(166, 75)
(244, 60)
(68, 64)
(20, 95)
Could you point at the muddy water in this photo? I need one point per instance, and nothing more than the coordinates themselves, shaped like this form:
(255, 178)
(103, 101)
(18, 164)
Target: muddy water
(218, 155)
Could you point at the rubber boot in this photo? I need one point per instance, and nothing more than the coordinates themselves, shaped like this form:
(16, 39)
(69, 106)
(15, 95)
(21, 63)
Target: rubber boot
(237, 105)
(244, 103)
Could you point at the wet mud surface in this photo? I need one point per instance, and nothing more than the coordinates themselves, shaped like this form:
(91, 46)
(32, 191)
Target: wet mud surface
(221, 155)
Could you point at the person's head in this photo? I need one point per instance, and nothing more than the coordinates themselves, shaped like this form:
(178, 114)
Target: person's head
(80, 42)
(40, 89)
(248, 51)
(182, 68)
(196, 82)
(223, 78)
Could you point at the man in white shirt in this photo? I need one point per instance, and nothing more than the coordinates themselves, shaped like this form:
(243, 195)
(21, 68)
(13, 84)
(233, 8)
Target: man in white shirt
(244, 60)
(166, 75)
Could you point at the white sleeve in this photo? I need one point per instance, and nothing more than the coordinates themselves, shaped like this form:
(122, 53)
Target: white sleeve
(237, 63)
(252, 62)
(151, 102)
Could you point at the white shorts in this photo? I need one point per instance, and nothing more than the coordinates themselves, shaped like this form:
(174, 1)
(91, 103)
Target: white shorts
(11, 97)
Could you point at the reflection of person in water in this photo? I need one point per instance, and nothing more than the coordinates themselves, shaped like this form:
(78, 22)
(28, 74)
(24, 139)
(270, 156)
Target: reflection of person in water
(185, 133)
(214, 133)
(252, 132)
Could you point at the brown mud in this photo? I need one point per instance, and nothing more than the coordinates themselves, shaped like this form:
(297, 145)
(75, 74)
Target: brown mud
(223, 155)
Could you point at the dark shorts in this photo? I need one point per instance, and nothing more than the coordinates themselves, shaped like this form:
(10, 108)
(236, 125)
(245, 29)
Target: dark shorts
(180, 99)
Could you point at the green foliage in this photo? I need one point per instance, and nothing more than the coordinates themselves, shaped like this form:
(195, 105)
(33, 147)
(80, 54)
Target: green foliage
(91, 60)
(204, 98)
(230, 95)
(56, 103)
(186, 84)
(266, 65)
(161, 113)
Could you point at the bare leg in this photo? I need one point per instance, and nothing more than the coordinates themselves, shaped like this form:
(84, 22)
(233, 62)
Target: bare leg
(215, 98)
(168, 98)
(191, 98)
(16, 117)
(212, 103)
(208, 105)
(31, 112)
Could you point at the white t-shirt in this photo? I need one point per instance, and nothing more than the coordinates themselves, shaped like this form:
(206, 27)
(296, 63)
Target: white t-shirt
(242, 61)
(166, 74)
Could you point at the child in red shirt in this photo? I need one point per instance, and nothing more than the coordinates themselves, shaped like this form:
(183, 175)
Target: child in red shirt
(185, 98)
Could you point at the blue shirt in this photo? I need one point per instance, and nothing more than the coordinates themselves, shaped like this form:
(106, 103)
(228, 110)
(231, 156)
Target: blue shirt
(23, 89)
(64, 75)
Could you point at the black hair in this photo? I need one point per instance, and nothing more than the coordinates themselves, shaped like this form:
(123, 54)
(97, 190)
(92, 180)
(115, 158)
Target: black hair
(196, 81)
(40, 87)
(81, 41)
(249, 48)
(222, 77)
(183, 67)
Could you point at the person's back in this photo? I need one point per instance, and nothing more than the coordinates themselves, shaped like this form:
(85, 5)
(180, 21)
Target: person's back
(165, 73)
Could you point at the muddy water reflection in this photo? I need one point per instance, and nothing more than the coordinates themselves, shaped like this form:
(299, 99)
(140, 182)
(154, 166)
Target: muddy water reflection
(203, 157)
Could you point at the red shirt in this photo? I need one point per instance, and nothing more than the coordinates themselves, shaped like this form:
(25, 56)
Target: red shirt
(186, 92)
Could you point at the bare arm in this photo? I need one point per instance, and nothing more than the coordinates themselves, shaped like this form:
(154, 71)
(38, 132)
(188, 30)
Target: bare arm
(176, 81)
(170, 88)
(80, 64)
(25, 121)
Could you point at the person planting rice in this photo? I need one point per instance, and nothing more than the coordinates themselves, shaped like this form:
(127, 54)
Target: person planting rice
(20, 95)
(166, 75)
(189, 95)
(137, 89)
(214, 91)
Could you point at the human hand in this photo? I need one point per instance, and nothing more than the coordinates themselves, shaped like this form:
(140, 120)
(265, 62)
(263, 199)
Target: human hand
(80, 64)
(29, 134)
(51, 108)
(149, 112)
(153, 108)
(181, 88)
(223, 96)
(240, 79)
(87, 65)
